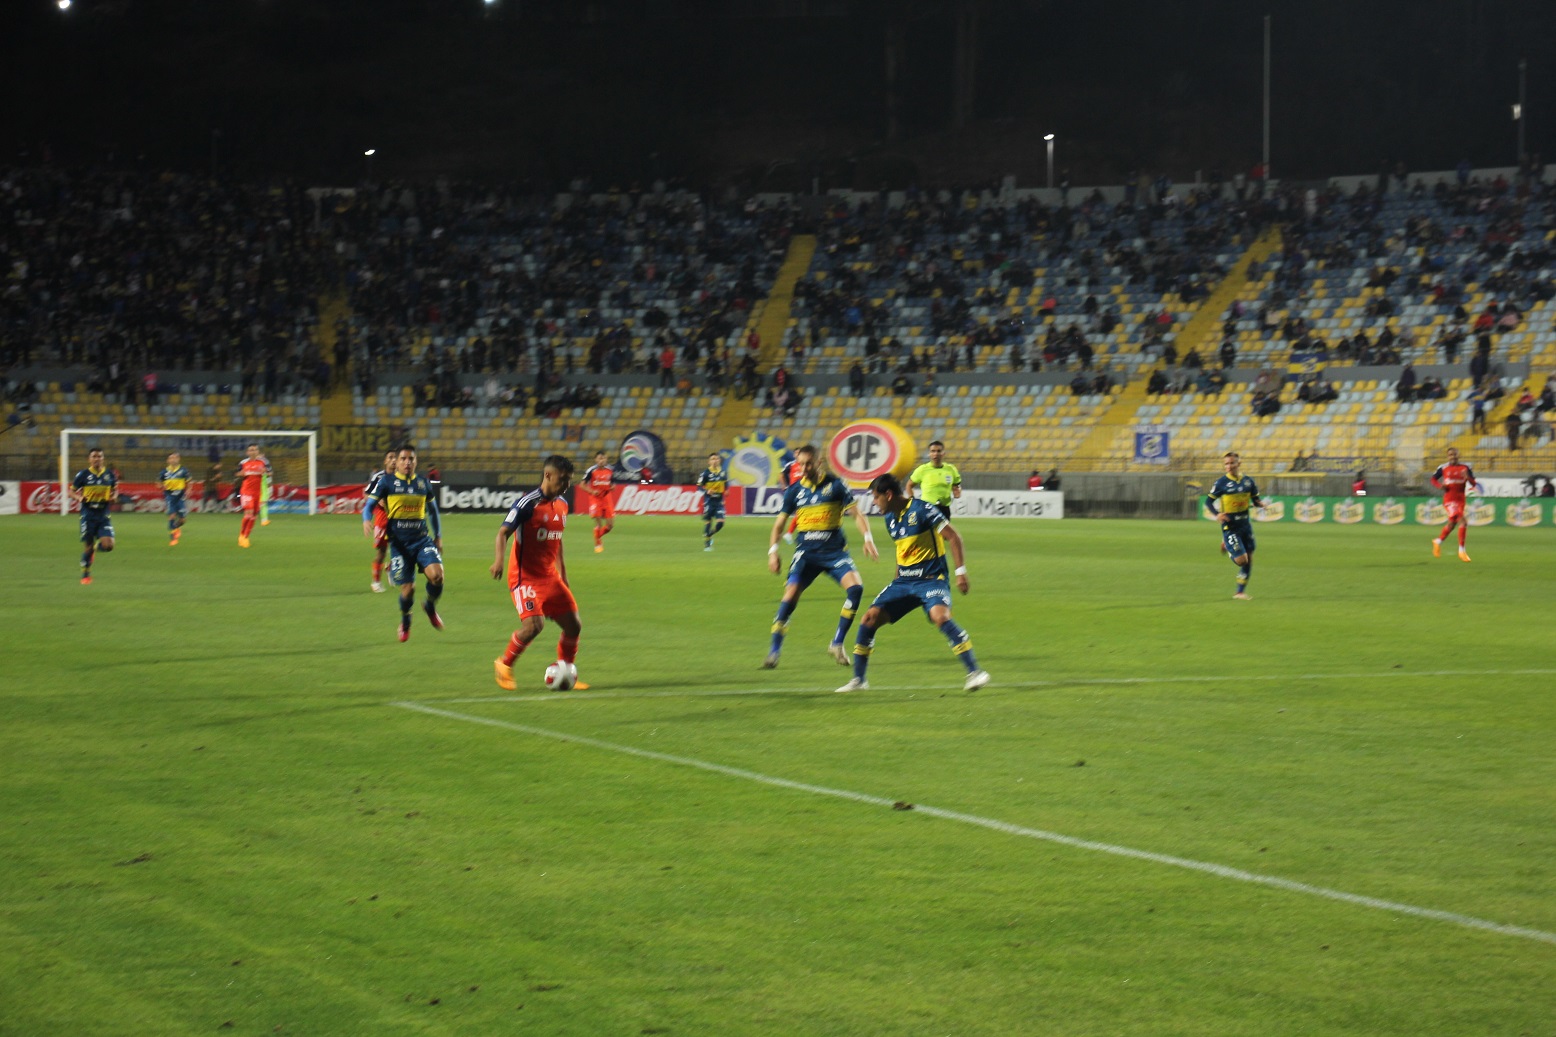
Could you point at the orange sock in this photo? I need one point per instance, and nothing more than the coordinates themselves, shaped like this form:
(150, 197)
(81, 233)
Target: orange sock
(514, 650)
(567, 648)
(378, 571)
(1462, 531)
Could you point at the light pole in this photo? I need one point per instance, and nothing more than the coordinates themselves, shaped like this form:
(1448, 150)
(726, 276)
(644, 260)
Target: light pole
(1049, 137)
(368, 157)
(1518, 109)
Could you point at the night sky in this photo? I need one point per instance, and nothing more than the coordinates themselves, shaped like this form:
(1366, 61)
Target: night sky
(625, 90)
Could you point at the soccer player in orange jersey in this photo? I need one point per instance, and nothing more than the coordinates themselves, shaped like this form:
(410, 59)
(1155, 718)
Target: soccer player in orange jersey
(537, 573)
(380, 531)
(249, 489)
(1454, 478)
(597, 488)
(791, 475)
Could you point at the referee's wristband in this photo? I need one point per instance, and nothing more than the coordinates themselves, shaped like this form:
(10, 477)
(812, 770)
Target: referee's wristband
(961, 570)
(772, 549)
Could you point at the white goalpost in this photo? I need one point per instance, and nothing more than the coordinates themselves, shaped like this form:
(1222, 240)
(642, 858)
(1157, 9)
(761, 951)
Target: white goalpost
(147, 446)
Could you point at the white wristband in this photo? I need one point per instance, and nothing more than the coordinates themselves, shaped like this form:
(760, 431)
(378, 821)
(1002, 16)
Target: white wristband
(772, 549)
(869, 538)
(961, 570)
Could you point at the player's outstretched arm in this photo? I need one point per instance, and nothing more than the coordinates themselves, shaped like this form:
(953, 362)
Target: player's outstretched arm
(772, 540)
(863, 525)
(953, 544)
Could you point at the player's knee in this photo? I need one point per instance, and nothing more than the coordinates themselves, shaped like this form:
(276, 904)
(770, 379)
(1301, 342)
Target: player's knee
(1240, 559)
(939, 615)
(434, 573)
(872, 617)
(105, 544)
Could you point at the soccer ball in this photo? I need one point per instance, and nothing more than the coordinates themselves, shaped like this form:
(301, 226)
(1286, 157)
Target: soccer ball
(561, 676)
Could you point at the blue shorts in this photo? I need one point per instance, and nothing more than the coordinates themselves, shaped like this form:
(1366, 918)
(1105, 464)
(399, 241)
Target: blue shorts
(406, 560)
(96, 525)
(178, 505)
(805, 566)
(1238, 538)
(899, 597)
(713, 508)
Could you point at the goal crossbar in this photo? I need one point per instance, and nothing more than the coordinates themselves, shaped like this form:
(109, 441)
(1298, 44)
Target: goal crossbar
(312, 436)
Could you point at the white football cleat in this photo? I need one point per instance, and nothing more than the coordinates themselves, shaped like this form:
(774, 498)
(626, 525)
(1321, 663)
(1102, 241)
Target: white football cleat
(378, 588)
(976, 680)
(855, 685)
(839, 652)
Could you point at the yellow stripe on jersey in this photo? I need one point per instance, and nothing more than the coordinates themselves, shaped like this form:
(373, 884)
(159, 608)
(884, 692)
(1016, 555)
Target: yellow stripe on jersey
(1236, 503)
(173, 485)
(919, 548)
(405, 506)
(823, 515)
(96, 494)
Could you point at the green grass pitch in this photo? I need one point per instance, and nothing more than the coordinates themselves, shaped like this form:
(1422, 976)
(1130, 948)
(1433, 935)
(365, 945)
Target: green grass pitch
(218, 819)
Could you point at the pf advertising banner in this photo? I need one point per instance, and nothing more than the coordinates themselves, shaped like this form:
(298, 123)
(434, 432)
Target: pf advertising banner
(1522, 513)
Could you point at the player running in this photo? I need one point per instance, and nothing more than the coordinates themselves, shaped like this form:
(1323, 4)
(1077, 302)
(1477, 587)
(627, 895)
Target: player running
(1229, 500)
(793, 473)
(250, 490)
(537, 572)
(174, 480)
(923, 536)
(714, 483)
(95, 488)
(415, 535)
(1454, 478)
(818, 501)
(380, 532)
(597, 488)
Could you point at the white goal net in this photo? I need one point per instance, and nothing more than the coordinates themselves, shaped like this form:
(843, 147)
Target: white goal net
(139, 454)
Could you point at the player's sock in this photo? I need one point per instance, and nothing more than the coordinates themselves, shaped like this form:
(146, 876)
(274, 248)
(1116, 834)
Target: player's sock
(378, 571)
(719, 526)
(597, 534)
(864, 644)
(1243, 572)
(781, 624)
(567, 649)
(514, 650)
(707, 532)
(1444, 534)
(407, 602)
(850, 606)
(961, 644)
(1462, 531)
(86, 560)
(434, 592)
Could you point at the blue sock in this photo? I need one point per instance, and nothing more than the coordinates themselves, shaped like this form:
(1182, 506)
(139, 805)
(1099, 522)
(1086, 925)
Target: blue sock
(707, 532)
(434, 592)
(864, 644)
(846, 620)
(719, 526)
(406, 601)
(781, 623)
(961, 644)
(1243, 572)
(86, 559)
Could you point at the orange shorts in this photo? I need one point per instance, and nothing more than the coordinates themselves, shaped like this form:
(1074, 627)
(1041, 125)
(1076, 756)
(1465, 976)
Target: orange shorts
(601, 507)
(543, 597)
(249, 502)
(380, 528)
(1454, 508)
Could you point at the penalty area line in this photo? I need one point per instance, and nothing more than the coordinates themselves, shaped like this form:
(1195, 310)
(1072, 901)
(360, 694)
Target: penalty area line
(996, 684)
(993, 824)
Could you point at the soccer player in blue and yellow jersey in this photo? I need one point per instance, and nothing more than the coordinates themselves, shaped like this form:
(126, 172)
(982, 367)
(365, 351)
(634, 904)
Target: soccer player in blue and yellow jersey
(818, 500)
(415, 535)
(174, 480)
(1229, 500)
(95, 488)
(714, 483)
(923, 536)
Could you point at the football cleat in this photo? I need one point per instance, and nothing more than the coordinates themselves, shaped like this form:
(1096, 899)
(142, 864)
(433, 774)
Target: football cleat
(1241, 596)
(432, 616)
(1437, 548)
(504, 675)
(975, 680)
(837, 651)
(405, 630)
(85, 580)
(378, 587)
(1464, 555)
(243, 541)
(708, 545)
(599, 549)
(855, 685)
(264, 522)
(771, 662)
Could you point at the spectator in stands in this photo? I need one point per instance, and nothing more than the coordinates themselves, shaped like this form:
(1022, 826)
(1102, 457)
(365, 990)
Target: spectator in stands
(667, 367)
(1513, 427)
(1302, 462)
(1405, 388)
(1080, 384)
(1477, 400)
(1157, 383)
(1035, 480)
(856, 379)
(1052, 481)
(1229, 352)
(902, 385)
(927, 388)
(1359, 487)
(1548, 489)
(1264, 405)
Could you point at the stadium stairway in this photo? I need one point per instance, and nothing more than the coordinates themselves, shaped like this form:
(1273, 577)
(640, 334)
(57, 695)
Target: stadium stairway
(1111, 437)
(770, 320)
(336, 408)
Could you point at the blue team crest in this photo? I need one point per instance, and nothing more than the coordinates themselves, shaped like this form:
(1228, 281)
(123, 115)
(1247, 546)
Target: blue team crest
(1153, 444)
(757, 460)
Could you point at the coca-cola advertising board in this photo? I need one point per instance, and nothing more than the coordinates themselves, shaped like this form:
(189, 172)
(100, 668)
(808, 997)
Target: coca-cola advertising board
(34, 498)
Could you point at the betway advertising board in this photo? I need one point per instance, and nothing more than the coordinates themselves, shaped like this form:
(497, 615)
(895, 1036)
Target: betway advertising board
(630, 499)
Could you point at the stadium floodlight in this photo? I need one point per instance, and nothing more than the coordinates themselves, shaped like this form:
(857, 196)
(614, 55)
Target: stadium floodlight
(294, 455)
(370, 152)
(64, 5)
(1049, 137)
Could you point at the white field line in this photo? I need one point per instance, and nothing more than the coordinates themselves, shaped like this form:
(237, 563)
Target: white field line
(1218, 870)
(1219, 678)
